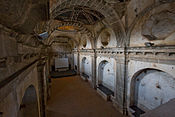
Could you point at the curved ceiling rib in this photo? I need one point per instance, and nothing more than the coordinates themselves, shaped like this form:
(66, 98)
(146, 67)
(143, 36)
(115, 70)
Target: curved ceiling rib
(80, 14)
(67, 28)
(89, 12)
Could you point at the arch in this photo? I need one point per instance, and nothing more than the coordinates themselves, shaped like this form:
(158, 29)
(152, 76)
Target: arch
(110, 15)
(106, 75)
(63, 35)
(144, 13)
(72, 35)
(29, 105)
(150, 88)
(85, 68)
(72, 42)
(79, 28)
(76, 27)
(110, 42)
(86, 42)
(83, 63)
(100, 70)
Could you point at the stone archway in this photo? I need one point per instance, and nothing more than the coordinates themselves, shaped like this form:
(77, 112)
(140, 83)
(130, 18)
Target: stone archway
(29, 104)
(85, 68)
(106, 75)
(151, 88)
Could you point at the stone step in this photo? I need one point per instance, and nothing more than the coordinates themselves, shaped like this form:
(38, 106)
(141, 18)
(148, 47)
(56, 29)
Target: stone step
(104, 92)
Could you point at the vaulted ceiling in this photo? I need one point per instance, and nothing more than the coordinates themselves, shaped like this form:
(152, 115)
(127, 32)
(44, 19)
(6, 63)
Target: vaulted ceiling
(33, 17)
(88, 13)
(23, 15)
(79, 14)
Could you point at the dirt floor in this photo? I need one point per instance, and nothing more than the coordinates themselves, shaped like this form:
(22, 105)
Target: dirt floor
(73, 97)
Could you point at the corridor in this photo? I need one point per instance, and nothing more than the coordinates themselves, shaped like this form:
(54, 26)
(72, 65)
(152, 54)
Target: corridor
(73, 97)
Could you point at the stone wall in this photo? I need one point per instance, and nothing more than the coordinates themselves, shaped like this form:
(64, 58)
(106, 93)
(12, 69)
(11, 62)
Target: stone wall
(132, 36)
(150, 39)
(13, 92)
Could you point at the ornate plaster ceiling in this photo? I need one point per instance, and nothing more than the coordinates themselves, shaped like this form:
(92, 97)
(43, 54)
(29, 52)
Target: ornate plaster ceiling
(80, 14)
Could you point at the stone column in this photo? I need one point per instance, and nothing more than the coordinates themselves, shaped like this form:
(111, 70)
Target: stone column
(94, 59)
(121, 87)
(42, 84)
(78, 63)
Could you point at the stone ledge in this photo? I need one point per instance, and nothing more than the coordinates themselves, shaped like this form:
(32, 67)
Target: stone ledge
(104, 92)
(104, 96)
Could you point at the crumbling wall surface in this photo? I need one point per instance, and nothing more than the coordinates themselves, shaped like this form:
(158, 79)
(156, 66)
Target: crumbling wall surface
(151, 21)
(14, 54)
(153, 88)
(150, 84)
(8, 45)
(23, 15)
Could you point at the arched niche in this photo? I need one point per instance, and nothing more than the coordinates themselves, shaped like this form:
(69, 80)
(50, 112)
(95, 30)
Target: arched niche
(85, 68)
(83, 64)
(151, 88)
(106, 75)
(154, 25)
(106, 39)
(85, 42)
(29, 104)
(75, 61)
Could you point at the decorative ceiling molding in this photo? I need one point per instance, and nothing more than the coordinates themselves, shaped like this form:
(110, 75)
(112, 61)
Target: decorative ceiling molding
(80, 14)
(111, 16)
(97, 5)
